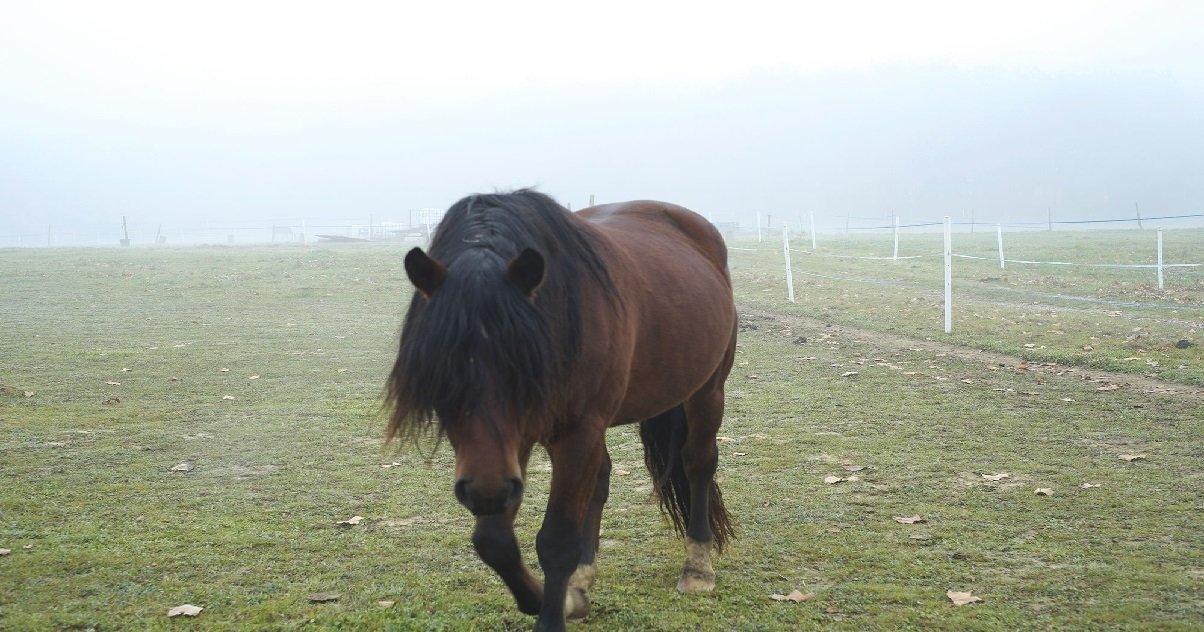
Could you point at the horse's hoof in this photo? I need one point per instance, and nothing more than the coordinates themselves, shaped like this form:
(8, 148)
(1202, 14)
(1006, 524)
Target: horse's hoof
(576, 604)
(697, 575)
(696, 582)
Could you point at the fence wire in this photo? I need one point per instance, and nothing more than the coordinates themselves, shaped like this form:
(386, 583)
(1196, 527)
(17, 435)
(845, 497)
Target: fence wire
(1028, 293)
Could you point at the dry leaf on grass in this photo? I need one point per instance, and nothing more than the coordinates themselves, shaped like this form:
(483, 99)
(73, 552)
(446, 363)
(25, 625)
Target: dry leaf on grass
(795, 596)
(621, 472)
(1044, 491)
(386, 603)
(112, 383)
(223, 370)
(351, 522)
(181, 467)
(253, 377)
(848, 374)
(832, 480)
(324, 597)
(909, 519)
(227, 397)
(1132, 457)
(1088, 485)
(112, 401)
(4, 552)
(739, 453)
(187, 610)
(961, 598)
(1110, 387)
(996, 477)
(30, 393)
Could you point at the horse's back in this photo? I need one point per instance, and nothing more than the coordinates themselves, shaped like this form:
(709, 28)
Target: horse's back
(670, 267)
(645, 224)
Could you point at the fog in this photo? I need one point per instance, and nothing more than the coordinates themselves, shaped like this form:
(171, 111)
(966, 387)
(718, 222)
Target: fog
(89, 135)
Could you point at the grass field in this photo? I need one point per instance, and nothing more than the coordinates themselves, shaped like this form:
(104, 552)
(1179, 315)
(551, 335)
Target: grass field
(1106, 318)
(262, 369)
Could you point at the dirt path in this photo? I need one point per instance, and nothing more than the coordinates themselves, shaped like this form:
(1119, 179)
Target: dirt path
(755, 316)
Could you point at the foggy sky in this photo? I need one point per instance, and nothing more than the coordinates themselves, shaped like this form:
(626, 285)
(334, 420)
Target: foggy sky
(918, 139)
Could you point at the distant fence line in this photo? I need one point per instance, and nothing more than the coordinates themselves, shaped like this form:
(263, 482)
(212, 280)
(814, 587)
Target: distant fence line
(948, 254)
(1034, 224)
(423, 221)
(280, 232)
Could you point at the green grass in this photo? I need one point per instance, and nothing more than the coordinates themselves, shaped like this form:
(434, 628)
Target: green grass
(115, 538)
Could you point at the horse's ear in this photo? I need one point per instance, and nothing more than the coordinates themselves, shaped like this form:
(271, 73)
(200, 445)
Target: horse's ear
(425, 273)
(526, 271)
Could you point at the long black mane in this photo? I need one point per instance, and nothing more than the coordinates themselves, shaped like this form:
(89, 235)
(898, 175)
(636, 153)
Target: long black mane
(479, 346)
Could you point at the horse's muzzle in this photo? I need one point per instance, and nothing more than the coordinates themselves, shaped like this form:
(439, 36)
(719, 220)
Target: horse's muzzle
(488, 500)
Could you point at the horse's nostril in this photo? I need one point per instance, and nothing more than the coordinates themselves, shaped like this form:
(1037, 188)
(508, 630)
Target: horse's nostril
(489, 499)
(462, 491)
(516, 492)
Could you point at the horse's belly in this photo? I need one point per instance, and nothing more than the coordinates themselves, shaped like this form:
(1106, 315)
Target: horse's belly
(677, 352)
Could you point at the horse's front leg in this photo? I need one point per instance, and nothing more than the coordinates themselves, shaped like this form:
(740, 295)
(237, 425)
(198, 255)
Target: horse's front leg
(562, 541)
(494, 540)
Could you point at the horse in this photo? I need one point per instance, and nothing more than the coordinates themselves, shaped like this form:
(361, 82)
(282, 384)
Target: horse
(531, 324)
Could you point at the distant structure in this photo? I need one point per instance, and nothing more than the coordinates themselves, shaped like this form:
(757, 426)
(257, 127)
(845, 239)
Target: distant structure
(285, 233)
(428, 219)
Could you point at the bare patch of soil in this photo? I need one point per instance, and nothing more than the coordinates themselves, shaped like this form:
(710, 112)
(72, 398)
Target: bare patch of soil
(756, 318)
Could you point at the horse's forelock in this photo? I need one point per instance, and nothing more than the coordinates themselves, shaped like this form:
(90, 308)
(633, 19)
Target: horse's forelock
(443, 364)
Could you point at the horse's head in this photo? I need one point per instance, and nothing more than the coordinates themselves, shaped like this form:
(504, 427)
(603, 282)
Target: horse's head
(475, 352)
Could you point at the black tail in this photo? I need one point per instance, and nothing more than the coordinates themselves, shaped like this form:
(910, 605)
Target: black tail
(664, 436)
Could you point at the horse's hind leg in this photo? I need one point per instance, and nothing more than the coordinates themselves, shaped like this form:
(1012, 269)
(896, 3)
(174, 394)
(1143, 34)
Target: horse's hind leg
(700, 457)
(576, 604)
(708, 524)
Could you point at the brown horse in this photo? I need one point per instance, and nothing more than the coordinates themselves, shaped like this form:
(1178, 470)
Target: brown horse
(535, 325)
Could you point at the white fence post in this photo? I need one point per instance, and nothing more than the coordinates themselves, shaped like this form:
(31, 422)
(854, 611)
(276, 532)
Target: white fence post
(758, 227)
(948, 276)
(789, 273)
(999, 235)
(895, 257)
(812, 231)
(1160, 258)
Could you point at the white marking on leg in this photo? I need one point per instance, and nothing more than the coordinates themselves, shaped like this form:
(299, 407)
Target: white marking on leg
(697, 574)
